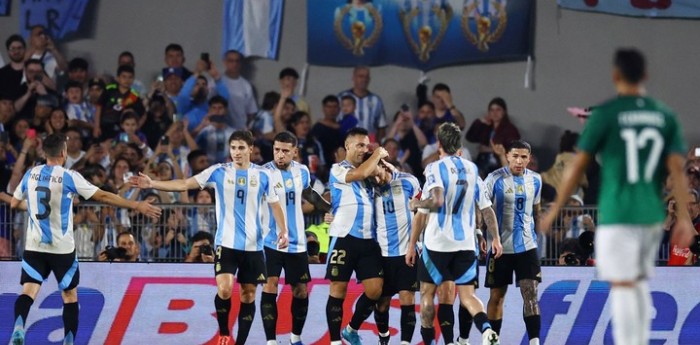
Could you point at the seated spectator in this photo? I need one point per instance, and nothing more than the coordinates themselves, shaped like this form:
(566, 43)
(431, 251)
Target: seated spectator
(78, 72)
(263, 124)
(181, 144)
(106, 233)
(288, 80)
(202, 219)
(213, 138)
(57, 122)
(679, 256)
(256, 156)
(35, 84)
(117, 98)
(120, 172)
(174, 235)
(567, 151)
(79, 113)
(327, 130)
(198, 160)
(95, 174)
(348, 120)
(494, 128)
(201, 248)
(193, 97)
(127, 58)
(42, 113)
(570, 253)
(172, 83)
(129, 125)
(157, 120)
(85, 220)
(129, 249)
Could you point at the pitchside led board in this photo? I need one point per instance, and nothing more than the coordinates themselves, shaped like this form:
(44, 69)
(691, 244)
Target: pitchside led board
(127, 303)
(421, 34)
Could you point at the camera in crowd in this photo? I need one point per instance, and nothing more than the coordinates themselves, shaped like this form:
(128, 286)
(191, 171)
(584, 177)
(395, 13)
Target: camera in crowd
(206, 249)
(114, 253)
(577, 252)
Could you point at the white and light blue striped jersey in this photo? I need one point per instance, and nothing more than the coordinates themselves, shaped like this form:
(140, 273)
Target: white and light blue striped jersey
(451, 228)
(294, 180)
(514, 198)
(49, 190)
(392, 214)
(239, 199)
(369, 111)
(351, 205)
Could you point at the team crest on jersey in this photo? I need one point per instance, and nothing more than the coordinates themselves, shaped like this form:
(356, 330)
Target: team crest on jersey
(289, 183)
(241, 181)
(253, 181)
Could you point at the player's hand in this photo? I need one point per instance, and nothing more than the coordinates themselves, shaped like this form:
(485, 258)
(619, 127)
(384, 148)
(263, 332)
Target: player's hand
(382, 152)
(496, 248)
(411, 256)
(482, 243)
(148, 210)
(683, 233)
(413, 204)
(282, 240)
(142, 181)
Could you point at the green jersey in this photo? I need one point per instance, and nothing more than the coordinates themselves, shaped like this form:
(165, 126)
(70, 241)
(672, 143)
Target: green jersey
(632, 136)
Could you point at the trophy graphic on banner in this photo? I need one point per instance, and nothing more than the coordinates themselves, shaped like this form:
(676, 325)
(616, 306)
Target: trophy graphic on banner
(356, 19)
(429, 19)
(478, 19)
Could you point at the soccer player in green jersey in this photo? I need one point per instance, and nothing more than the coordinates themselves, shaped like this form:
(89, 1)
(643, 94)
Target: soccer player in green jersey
(638, 141)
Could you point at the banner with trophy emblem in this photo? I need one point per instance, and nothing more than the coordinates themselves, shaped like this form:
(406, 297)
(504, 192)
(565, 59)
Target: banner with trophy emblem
(422, 34)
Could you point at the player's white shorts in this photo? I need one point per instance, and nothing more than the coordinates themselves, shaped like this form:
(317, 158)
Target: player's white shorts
(626, 252)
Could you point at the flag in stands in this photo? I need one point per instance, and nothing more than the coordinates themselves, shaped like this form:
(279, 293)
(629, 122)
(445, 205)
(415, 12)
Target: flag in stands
(252, 27)
(4, 7)
(59, 18)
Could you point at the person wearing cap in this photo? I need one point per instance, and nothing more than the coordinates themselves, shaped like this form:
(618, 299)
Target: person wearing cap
(11, 74)
(194, 95)
(172, 82)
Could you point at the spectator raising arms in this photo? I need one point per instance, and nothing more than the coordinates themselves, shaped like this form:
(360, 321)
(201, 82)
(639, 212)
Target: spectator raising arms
(492, 129)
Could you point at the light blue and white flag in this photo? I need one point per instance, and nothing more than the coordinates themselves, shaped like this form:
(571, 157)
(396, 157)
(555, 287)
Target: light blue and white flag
(252, 27)
(59, 18)
(4, 7)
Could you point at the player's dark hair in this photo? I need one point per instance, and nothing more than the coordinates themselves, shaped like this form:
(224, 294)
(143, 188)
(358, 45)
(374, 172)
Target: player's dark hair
(355, 132)
(246, 136)
(519, 144)
(54, 144)
(285, 137)
(630, 62)
(449, 137)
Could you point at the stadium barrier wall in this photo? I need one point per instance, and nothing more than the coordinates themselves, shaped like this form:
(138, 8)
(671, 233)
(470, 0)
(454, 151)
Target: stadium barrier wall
(161, 303)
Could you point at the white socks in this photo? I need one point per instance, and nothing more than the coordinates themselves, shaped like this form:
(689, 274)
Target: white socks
(535, 341)
(645, 311)
(626, 319)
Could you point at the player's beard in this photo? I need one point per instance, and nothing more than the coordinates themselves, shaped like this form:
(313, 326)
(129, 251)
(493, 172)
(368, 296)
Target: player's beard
(282, 166)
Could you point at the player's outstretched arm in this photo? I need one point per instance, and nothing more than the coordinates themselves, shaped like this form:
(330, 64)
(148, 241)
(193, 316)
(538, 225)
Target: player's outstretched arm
(492, 225)
(144, 181)
(683, 230)
(278, 214)
(115, 200)
(571, 179)
(320, 204)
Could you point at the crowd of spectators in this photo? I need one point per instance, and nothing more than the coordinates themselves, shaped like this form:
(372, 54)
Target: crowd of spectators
(178, 125)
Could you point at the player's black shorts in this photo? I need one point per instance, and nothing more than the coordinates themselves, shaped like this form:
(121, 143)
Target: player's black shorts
(295, 265)
(348, 254)
(499, 272)
(437, 267)
(398, 276)
(36, 267)
(249, 265)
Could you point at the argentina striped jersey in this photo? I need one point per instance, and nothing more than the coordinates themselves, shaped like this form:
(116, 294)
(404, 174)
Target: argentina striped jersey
(351, 204)
(393, 215)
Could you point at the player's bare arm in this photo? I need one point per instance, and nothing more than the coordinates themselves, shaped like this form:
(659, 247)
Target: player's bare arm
(282, 237)
(435, 201)
(367, 168)
(417, 228)
(492, 225)
(144, 181)
(115, 200)
(571, 178)
(14, 203)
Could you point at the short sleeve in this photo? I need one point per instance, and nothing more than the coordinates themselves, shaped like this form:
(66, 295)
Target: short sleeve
(424, 196)
(432, 178)
(594, 133)
(82, 186)
(676, 143)
(305, 177)
(414, 185)
(274, 186)
(209, 177)
(339, 172)
(21, 190)
(489, 184)
(538, 189)
(480, 194)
